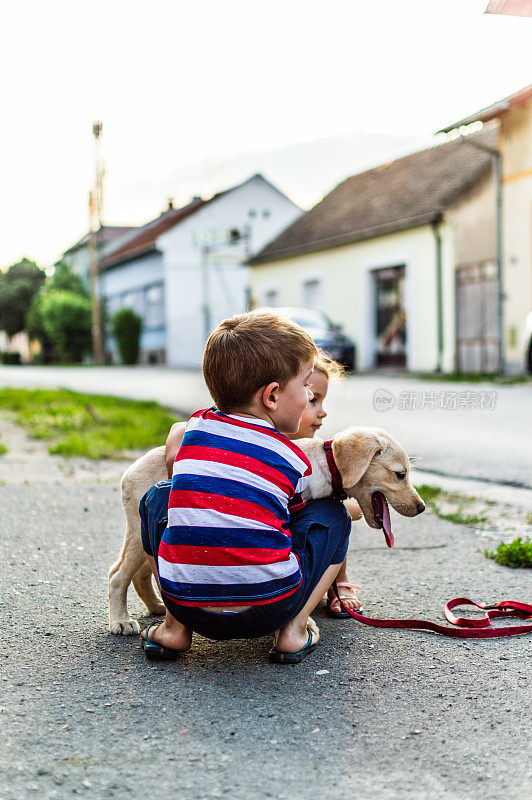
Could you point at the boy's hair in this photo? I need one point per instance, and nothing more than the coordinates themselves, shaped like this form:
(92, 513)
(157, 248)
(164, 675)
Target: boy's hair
(328, 366)
(251, 350)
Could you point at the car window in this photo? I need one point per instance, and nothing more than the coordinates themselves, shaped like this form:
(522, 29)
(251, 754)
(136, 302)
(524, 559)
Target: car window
(309, 318)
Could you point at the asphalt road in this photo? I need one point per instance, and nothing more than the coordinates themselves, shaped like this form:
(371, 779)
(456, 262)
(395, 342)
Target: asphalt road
(485, 436)
(379, 715)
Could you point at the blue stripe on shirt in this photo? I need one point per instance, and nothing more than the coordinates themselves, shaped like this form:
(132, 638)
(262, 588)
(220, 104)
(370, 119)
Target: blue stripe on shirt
(210, 592)
(226, 537)
(196, 438)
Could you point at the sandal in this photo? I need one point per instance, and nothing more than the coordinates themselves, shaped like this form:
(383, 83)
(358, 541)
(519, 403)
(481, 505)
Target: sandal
(155, 651)
(334, 608)
(278, 657)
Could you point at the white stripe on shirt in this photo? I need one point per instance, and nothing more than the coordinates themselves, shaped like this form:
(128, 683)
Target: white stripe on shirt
(246, 573)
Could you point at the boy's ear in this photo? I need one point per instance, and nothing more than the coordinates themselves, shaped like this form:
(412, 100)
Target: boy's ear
(269, 395)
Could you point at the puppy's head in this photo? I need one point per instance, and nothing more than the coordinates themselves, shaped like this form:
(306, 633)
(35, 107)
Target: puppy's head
(373, 463)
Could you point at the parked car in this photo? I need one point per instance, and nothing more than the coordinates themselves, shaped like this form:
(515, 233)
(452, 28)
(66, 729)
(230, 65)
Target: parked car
(327, 335)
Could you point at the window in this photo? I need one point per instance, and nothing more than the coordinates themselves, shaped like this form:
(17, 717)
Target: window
(311, 293)
(134, 300)
(272, 297)
(154, 303)
(266, 213)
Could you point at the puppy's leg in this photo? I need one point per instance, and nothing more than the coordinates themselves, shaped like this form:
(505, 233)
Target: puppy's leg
(143, 583)
(121, 574)
(135, 482)
(131, 559)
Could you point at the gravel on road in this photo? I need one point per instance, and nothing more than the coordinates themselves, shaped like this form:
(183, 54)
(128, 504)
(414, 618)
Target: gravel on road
(372, 713)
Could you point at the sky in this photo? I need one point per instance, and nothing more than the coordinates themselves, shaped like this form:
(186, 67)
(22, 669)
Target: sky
(184, 88)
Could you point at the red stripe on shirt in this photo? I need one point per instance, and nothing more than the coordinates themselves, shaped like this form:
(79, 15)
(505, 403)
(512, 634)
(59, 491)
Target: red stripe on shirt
(208, 414)
(200, 453)
(185, 498)
(221, 556)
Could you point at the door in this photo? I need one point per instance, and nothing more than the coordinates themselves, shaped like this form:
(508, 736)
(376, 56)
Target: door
(390, 316)
(477, 321)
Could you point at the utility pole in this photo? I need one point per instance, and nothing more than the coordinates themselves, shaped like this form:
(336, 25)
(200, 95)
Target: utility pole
(95, 226)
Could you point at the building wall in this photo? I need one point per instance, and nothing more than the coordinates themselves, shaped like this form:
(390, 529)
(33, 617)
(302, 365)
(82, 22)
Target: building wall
(195, 278)
(473, 219)
(515, 144)
(348, 291)
(128, 285)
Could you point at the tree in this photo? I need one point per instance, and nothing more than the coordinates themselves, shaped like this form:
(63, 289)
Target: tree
(63, 280)
(66, 319)
(17, 288)
(66, 280)
(127, 327)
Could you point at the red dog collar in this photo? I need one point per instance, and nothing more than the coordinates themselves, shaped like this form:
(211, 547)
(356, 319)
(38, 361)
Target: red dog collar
(336, 478)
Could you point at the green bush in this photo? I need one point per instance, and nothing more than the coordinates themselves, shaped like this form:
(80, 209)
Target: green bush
(127, 327)
(9, 358)
(66, 319)
(515, 554)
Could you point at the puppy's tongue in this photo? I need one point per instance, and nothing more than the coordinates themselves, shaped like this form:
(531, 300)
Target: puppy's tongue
(382, 516)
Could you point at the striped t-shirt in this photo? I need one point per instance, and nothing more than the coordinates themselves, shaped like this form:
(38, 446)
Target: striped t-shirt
(228, 541)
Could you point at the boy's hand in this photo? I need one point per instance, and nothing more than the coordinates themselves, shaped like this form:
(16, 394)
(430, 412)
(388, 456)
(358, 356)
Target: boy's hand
(173, 443)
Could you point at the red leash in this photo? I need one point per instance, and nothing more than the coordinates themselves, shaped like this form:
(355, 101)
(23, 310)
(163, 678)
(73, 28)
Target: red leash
(466, 628)
(479, 628)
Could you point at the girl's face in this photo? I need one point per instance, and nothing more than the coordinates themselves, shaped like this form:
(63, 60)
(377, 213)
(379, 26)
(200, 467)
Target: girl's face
(314, 412)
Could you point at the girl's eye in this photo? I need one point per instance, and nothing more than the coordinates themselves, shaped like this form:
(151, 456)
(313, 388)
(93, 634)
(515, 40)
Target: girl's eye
(314, 400)
(400, 476)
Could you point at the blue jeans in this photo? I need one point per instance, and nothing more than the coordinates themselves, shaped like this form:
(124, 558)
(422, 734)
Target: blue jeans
(320, 537)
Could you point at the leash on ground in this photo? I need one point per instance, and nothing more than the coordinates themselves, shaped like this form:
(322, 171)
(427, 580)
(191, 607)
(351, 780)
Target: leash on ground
(466, 627)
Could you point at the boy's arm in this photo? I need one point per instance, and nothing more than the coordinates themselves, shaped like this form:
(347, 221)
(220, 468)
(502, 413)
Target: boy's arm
(173, 443)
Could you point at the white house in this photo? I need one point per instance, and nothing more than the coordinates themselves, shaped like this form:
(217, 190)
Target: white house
(186, 270)
(379, 255)
(77, 257)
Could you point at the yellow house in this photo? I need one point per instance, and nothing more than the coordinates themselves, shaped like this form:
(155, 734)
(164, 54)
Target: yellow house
(514, 144)
(379, 255)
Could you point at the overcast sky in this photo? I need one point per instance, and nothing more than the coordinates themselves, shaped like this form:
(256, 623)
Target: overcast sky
(182, 82)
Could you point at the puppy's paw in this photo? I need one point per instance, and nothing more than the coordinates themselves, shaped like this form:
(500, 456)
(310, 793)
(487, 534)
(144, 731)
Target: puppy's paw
(313, 628)
(124, 627)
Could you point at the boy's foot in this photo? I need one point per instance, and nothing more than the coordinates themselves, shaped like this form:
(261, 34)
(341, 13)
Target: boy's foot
(161, 642)
(350, 599)
(279, 656)
(291, 639)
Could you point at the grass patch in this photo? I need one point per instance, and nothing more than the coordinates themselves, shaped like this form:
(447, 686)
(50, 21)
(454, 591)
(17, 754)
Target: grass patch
(463, 519)
(472, 377)
(3, 449)
(95, 426)
(516, 554)
(432, 494)
(429, 493)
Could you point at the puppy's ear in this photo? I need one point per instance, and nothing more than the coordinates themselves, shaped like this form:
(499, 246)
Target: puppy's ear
(353, 451)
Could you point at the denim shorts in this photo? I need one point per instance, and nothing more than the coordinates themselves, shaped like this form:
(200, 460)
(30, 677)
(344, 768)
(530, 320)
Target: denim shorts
(320, 537)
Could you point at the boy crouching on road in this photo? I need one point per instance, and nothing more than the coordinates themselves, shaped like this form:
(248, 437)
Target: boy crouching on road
(241, 556)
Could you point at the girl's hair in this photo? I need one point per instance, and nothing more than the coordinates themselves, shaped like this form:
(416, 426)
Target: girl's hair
(328, 366)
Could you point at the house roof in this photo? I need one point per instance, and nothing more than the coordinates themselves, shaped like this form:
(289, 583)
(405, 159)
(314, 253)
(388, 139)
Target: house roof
(105, 235)
(145, 239)
(493, 111)
(405, 193)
